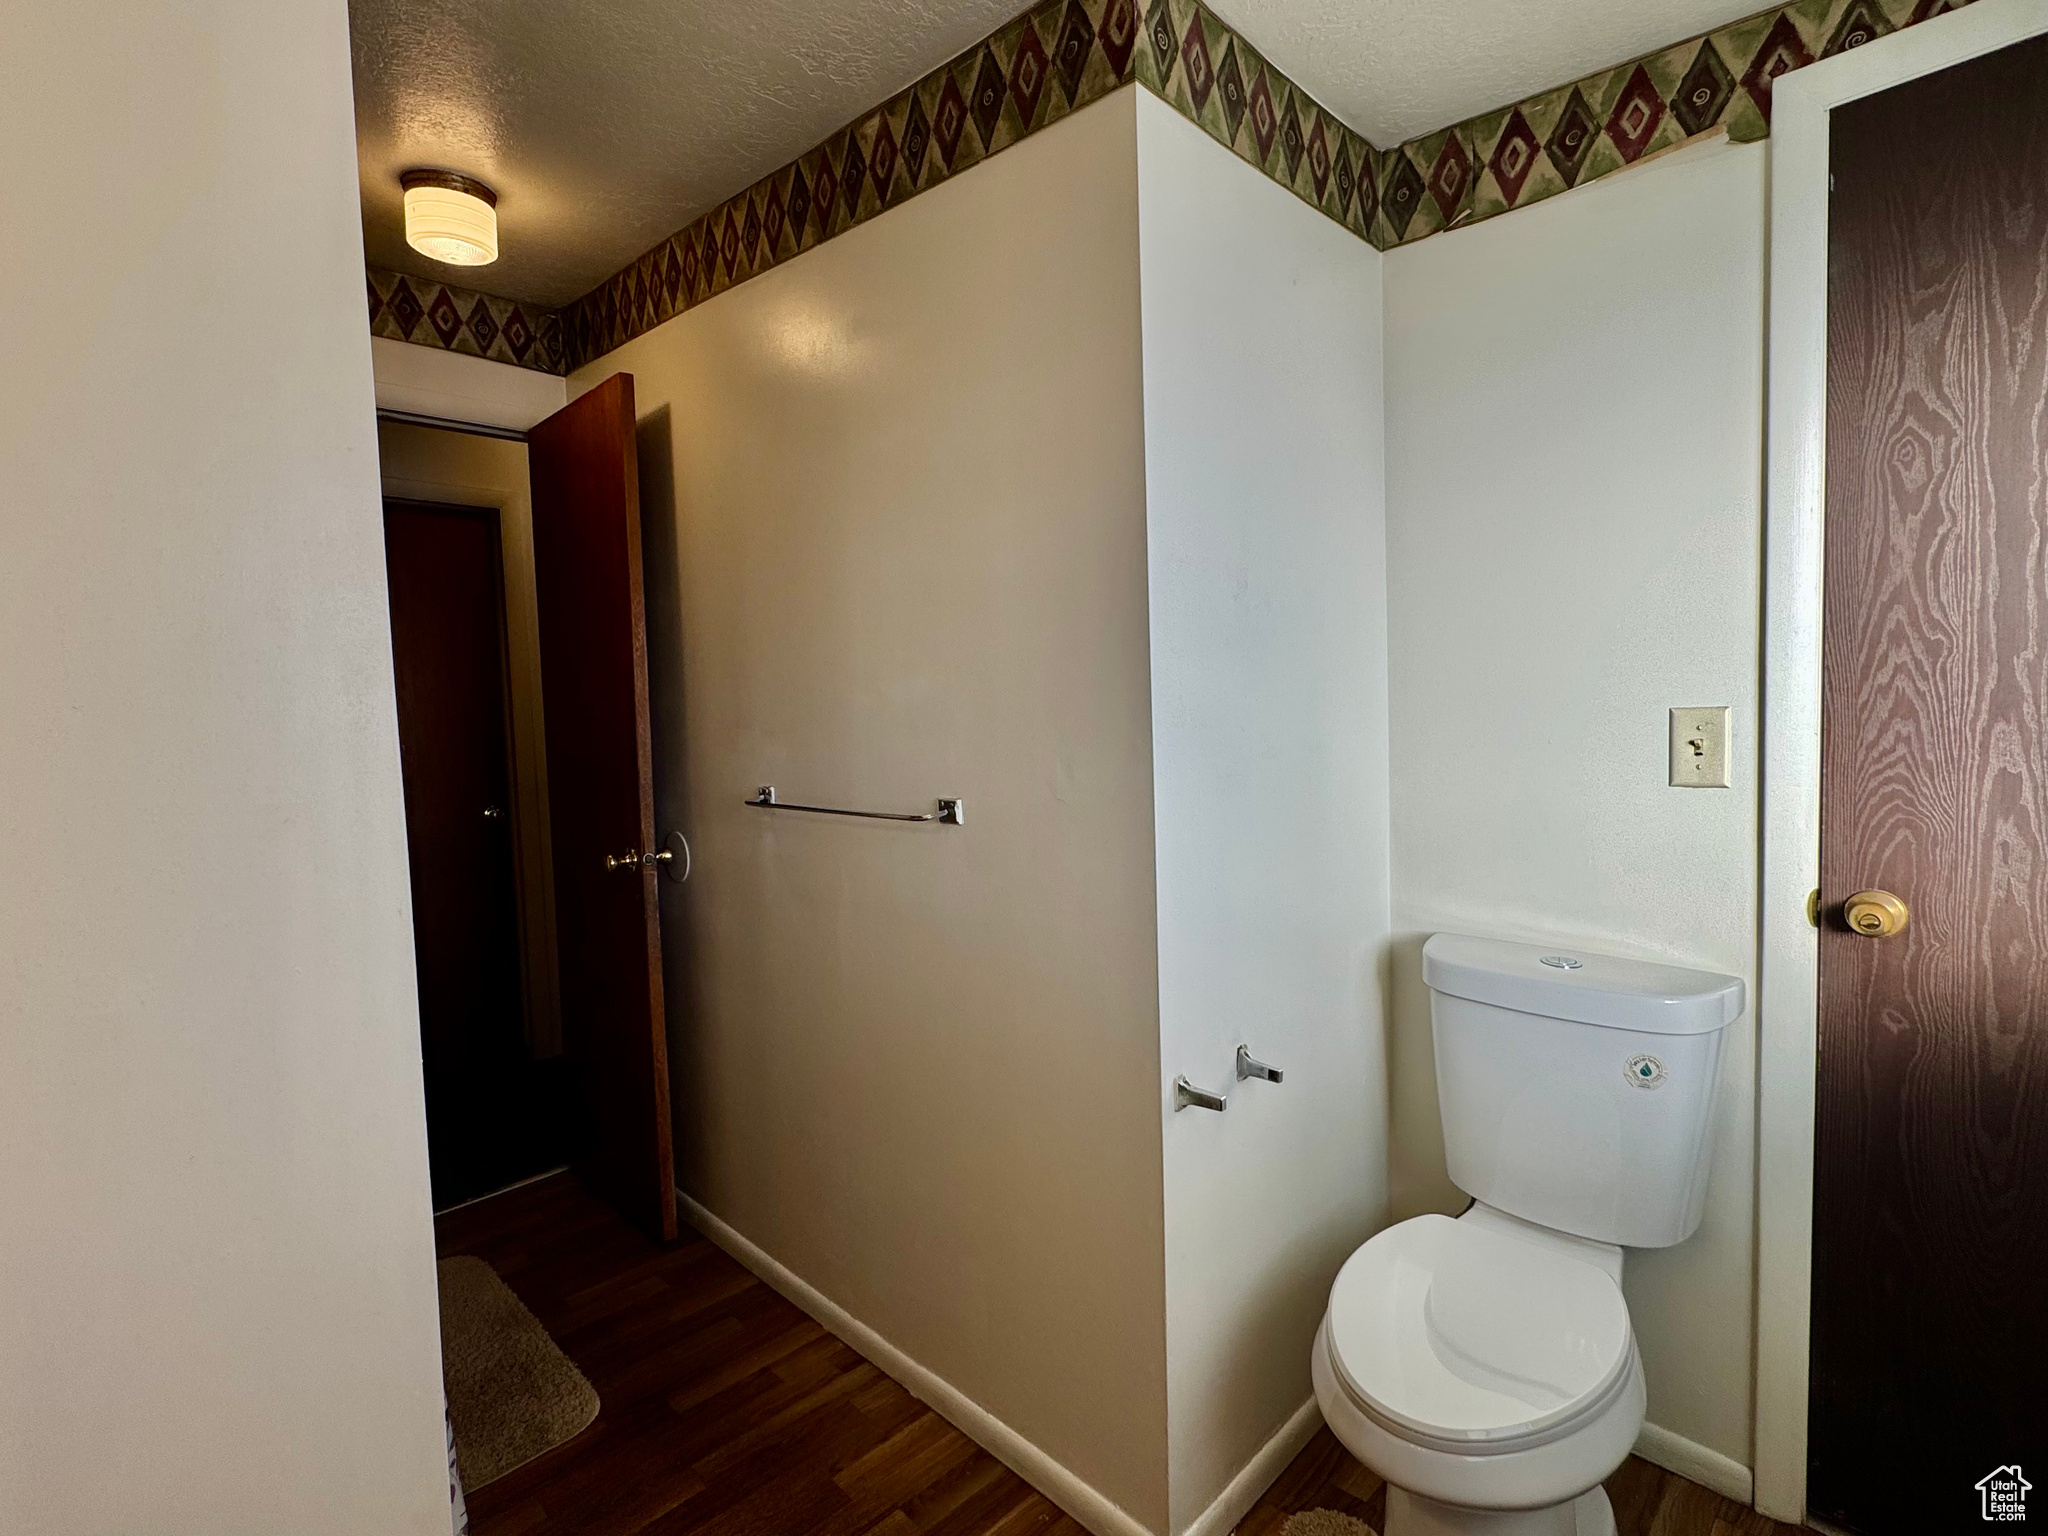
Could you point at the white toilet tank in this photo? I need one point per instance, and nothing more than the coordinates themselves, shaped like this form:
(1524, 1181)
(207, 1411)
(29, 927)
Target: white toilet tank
(1578, 1089)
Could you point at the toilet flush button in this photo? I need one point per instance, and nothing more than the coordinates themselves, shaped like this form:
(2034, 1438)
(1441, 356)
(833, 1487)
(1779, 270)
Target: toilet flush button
(1563, 962)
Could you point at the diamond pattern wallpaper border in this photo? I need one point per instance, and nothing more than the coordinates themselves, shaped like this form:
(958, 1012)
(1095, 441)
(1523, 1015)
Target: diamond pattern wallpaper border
(1044, 65)
(1063, 54)
(459, 320)
(1051, 61)
(1565, 137)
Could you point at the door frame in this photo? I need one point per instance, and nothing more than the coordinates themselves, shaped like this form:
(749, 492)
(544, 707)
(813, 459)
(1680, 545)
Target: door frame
(1788, 944)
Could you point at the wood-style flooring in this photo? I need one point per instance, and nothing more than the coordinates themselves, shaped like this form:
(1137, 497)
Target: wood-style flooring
(1648, 1501)
(728, 1412)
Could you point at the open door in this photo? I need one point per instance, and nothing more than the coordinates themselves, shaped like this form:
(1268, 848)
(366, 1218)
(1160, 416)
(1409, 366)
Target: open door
(593, 655)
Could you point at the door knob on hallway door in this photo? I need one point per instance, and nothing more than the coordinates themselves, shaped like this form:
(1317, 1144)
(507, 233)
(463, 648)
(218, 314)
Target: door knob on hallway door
(664, 859)
(1876, 914)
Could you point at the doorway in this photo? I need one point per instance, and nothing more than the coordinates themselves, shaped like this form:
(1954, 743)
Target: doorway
(519, 652)
(1930, 1210)
(500, 1100)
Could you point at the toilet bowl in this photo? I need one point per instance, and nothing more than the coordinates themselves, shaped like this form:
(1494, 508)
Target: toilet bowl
(1484, 1365)
(1490, 1377)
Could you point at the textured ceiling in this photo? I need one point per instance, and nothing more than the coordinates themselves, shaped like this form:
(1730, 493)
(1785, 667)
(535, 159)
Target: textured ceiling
(606, 125)
(1394, 69)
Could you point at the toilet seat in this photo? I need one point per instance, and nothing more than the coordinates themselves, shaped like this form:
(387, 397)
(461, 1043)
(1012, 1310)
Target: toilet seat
(1466, 1340)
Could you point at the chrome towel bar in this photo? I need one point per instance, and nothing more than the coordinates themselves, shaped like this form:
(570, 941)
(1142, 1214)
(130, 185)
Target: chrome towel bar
(951, 813)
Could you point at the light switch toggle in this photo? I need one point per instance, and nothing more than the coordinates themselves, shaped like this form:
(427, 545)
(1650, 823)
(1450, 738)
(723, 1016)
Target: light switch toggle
(1699, 747)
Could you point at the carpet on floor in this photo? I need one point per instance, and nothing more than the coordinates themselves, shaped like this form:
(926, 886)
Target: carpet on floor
(512, 1393)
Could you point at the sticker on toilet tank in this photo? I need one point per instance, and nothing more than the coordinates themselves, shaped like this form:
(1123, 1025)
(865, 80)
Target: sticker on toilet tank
(1645, 1071)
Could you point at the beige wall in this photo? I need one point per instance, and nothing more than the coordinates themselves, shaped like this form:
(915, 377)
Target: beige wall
(453, 386)
(1574, 420)
(1268, 616)
(894, 495)
(425, 464)
(903, 517)
(217, 1311)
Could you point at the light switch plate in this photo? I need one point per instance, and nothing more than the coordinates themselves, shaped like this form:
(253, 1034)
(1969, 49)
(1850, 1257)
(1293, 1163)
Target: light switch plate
(1699, 747)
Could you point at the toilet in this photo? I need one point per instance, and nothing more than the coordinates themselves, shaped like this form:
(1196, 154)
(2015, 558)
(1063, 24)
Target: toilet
(1484, 1365)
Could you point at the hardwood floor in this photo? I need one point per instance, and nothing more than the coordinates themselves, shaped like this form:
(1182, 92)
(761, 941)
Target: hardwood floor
(1648, 1501)
(728, 1412)
(724, 1409)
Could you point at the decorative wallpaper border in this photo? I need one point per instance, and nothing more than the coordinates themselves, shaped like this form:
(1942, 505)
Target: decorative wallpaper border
(461, 320)
(1063, 54)
(1210, 75)
(1565, 137)
(1050, 62)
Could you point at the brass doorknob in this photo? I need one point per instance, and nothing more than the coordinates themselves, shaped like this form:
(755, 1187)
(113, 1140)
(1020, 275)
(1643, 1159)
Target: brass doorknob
(1875, 914)
(632, 858)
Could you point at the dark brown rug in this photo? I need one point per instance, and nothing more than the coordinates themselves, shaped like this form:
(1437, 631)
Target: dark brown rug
(512, 1393)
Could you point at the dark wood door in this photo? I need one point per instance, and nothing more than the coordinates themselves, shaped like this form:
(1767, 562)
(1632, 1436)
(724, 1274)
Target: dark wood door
(1930, 1300)
(593, 650)
(448, 662)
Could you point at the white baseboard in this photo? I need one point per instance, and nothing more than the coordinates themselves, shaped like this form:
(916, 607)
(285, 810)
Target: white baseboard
(1049, 1476)
(1258, 1474)
(1688, 1458)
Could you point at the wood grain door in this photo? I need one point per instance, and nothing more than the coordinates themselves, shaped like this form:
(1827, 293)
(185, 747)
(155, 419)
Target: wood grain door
(448, 662)
(1930, 1300)
(593, 655)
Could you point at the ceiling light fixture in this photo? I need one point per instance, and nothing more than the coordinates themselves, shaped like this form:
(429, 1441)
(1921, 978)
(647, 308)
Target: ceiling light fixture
(450, 217)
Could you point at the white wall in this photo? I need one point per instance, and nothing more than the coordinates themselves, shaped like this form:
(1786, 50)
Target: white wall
(467, 470)
(217, 1307)
(426, 381)
(894, 494)
(1263, 477)
(1574, 418)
